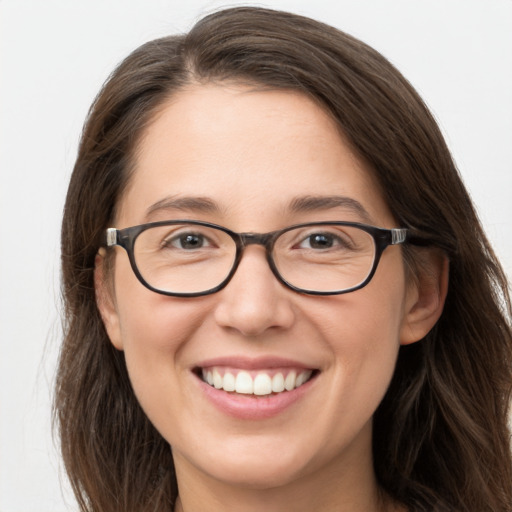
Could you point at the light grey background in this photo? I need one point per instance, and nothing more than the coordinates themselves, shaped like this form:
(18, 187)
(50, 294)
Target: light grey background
(54, 57)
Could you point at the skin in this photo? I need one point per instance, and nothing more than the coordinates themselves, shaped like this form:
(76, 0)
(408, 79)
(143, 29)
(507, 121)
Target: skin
(252, 153)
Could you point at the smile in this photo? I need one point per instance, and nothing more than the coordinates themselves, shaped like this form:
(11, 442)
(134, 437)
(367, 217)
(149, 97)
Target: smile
(258, 383)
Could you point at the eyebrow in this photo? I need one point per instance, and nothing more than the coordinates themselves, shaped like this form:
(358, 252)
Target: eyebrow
(196, 204)
(301, 204)
(319, 203)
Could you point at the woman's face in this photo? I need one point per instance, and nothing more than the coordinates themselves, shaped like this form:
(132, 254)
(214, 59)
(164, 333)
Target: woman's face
(245, 159)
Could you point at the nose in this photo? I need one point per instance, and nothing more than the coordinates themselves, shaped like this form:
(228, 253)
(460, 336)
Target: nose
(254, 301)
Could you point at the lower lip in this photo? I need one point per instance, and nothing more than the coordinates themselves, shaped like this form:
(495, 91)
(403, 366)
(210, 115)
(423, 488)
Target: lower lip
(251, 407)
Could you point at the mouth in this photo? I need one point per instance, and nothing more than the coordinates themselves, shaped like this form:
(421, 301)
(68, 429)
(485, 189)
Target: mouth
(258, 383)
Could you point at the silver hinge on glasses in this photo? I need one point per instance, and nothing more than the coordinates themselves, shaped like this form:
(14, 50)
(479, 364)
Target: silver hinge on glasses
(398, 236)
(111, 236)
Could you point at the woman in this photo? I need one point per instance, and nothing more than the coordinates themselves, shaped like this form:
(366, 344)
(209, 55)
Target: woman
(278, 294)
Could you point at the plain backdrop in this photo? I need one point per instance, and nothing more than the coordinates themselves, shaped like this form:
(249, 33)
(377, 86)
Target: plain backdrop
(54, 57)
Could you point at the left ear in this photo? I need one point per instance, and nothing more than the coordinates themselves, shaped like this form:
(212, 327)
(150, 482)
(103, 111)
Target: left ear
(425, 296)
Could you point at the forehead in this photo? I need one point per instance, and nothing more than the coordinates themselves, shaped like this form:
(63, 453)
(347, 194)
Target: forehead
(251, 153)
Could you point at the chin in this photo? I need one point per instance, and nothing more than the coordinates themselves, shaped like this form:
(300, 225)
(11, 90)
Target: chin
(264, 474)
(252, 465)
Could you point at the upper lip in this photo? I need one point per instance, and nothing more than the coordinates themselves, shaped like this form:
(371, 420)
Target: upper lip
(255, 363)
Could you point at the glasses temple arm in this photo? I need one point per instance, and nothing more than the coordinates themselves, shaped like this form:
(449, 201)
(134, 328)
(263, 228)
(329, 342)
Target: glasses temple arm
(111, 237)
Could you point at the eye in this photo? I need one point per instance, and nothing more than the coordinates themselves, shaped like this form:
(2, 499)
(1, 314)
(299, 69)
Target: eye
(321, 241)
(187, 241)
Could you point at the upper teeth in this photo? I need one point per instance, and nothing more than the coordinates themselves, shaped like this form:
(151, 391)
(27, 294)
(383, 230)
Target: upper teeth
(260, 383)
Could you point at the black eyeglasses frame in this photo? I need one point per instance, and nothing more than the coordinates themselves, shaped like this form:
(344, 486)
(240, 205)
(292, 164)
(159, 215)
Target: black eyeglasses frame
(383, 238)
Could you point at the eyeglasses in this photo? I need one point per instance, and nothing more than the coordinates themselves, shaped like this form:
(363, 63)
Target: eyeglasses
(186, 258)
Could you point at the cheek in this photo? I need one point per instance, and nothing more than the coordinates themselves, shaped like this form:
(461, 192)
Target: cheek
(155, 334)
(362, 330)
(153, 329)
(365, 347)
(365, 321)
(151, 323)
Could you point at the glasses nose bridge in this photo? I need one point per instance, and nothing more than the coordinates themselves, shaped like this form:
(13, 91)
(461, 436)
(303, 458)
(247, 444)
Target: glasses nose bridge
(267, 240)
(264, 239)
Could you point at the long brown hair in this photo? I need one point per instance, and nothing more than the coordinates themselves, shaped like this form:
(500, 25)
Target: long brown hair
(440, 435)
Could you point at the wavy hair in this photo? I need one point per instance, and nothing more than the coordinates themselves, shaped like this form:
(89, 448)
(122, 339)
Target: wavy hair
(441, 440)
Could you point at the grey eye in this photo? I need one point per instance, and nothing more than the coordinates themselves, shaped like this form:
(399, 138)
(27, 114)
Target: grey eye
(187, 241)
(321, 241)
